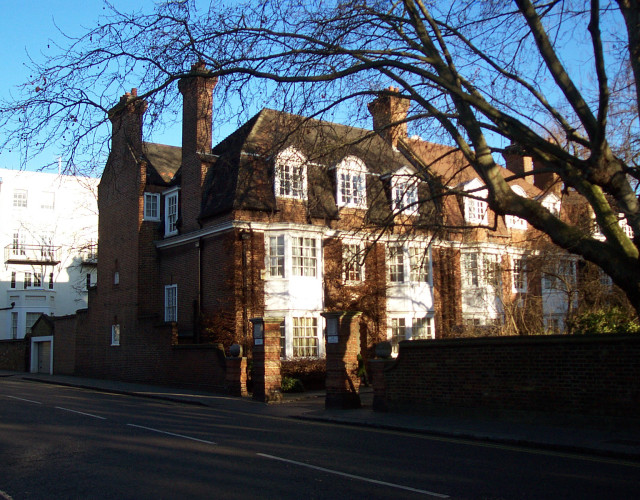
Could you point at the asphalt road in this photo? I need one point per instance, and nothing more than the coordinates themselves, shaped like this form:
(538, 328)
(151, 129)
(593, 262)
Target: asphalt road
(59, 442)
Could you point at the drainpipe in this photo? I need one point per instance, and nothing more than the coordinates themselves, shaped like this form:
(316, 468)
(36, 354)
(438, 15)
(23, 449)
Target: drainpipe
(198, 308)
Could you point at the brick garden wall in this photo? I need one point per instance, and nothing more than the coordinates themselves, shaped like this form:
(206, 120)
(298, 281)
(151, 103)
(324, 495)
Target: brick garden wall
(64, 345)
(14, 355)
(577, 374)
(148, 354)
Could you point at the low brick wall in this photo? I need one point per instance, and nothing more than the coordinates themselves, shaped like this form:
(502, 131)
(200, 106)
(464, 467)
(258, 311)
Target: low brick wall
(571, 374)
(14, 355)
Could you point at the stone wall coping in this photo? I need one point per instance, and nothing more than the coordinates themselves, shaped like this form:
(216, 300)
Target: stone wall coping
(520, 340)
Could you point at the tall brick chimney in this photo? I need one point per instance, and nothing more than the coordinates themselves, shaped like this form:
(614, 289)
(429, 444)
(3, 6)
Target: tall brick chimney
(197, 110)
(388, 109)
(517, 161)
(197, 107)
(126, 120)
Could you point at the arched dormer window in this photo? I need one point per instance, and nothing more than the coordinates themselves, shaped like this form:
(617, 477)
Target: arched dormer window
(475, 209)
(291, 175)
(404, 191)
(351, 182)
(552, 203)
(513, 221)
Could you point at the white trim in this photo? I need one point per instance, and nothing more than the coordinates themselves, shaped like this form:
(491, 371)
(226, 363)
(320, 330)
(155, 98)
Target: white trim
(171, 315)
(152, 218)
(167, 197)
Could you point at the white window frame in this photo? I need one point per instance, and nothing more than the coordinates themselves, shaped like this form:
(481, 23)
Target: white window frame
(470, 269)
(475, 211)
(151, 210)
(404, 192)
(48, 201)
(290, 175)
(275, 255)
(564, 271)
(422, 328)
(352, 262)
(622, 222)
(396, 268)
(115, 335)
(304, 256)
(552, 203)
(419, 264)
(171, 212)
(17, 243)
(351, 183)
(20, 198)
(398, 331)
(14, 325)
(171, 303)
(305, 338)
(519, 274)
(513, 221)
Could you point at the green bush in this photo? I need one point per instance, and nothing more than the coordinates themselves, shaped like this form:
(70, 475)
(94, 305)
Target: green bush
(613, 320)
(310, 371)
(289, 384)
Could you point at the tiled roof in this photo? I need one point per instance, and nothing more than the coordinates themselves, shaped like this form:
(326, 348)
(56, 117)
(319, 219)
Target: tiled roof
(162, 162)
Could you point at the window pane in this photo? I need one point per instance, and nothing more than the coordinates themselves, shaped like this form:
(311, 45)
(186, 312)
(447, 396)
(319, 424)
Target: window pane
(171, 303)
(419, 264)
(305, 337)
(421, 328)
(396, 264)
(304, 259)
(470, 268)
(276, 256)
(398, 332)
(20, 198)
(351, 258)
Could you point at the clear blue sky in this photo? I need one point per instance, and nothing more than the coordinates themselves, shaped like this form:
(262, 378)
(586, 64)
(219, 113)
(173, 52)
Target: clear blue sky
(27, 26)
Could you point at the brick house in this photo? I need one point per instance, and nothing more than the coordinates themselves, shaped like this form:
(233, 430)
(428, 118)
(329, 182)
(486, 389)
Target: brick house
(291, 217)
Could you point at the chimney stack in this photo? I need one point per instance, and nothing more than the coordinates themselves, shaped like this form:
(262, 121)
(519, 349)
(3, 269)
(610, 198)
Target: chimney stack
(519, 163)
(389, 112)
(197, 108)
(516, 161)
(126, 121)
(197, 111)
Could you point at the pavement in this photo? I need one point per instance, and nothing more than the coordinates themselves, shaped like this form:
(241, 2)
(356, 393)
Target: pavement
(614, 437)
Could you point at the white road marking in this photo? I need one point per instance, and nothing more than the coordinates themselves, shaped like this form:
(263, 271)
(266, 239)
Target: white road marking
(81, 413)
(352, 476)
(171, 434)
(27, 400)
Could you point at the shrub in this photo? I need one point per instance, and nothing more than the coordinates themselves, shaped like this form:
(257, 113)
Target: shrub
(613, 320)
(289, 384)
(310, 372)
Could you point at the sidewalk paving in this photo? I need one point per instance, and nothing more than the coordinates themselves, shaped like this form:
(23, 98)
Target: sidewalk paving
(604, 436)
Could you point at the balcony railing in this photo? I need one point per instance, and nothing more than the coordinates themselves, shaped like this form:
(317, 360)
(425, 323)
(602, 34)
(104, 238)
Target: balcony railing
(32, 254)
(89, 254)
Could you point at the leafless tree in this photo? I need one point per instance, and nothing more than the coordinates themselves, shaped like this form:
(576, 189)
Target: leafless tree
(482, 75)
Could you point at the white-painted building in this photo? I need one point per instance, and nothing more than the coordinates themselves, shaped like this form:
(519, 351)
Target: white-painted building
(48, 236)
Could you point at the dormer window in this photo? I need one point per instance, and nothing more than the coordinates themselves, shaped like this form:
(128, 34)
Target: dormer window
(513, 221)
(291, 175)
(404, 191)
(552, 203)
(351, 183)
(475, 206)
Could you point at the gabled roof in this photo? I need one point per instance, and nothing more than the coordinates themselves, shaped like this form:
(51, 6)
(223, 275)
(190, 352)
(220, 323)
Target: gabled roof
(242, 177)
(163, 162)
(451, 167)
